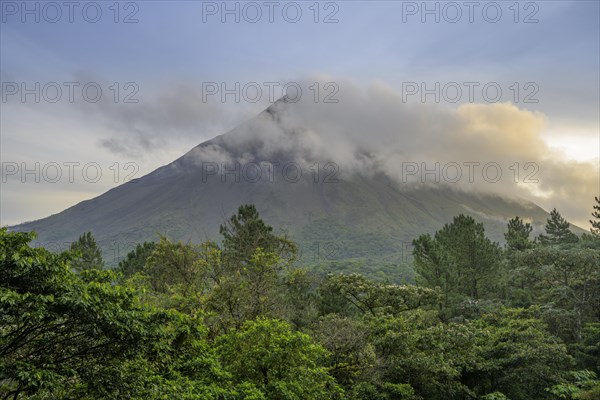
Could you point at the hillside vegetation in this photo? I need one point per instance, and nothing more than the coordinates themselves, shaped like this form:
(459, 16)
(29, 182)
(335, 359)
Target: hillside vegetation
(245, 318)
(342, 219)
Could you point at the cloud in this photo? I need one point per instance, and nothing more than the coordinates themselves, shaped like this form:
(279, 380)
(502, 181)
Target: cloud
(175, 113)
(140, 118)
(368, 130)
(496, 148)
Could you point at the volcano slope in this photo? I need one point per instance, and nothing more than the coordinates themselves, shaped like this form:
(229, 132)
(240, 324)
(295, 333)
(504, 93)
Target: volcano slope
(343, 219)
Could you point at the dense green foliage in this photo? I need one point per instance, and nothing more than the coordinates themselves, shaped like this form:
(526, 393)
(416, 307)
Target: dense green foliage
(517, 236)
(247, 320)
(135, 260)
(86, 253)
(557, 230)
(460, 260)
(596, 221)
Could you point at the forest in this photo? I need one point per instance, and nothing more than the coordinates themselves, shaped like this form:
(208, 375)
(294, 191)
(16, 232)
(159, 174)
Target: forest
(242, 319)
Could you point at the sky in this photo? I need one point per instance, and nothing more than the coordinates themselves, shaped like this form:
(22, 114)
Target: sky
(96, 93)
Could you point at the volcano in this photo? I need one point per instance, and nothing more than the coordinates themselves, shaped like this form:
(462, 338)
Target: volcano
(359, 221)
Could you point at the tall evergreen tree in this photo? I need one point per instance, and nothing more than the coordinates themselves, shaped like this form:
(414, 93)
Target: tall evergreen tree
(432, 267)
(87, 253)
(517, 237)
(247, 280)
(475, 257)
(557, 230)
(136, 259)
(595, 229)
(460, 258)
(245, 232)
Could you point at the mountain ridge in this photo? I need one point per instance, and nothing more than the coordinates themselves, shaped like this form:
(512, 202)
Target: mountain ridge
(361, 216)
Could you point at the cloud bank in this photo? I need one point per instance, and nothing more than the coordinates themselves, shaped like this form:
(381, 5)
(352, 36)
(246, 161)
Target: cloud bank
(493, 148)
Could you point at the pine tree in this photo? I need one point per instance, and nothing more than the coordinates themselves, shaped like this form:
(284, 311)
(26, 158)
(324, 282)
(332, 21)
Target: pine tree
(517, 237)
(459, 258)
(246, 231)
(557, 230)
(595, 229)
(87, 253)
(136, 259)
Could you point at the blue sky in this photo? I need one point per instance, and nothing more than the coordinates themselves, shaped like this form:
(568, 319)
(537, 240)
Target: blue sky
(171, 50)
